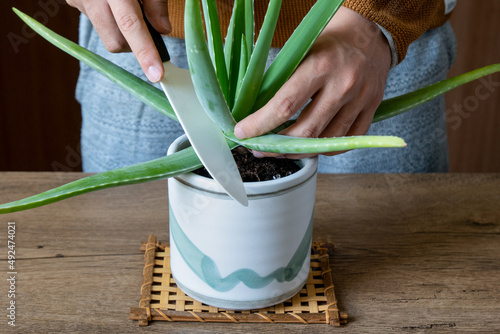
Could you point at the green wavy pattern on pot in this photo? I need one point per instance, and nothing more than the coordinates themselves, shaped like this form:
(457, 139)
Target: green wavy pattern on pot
(206, 269)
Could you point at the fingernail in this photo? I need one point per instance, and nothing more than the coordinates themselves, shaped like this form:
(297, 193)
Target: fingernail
(165, 22)
(154, 74)
(238, 132)
(258, 154)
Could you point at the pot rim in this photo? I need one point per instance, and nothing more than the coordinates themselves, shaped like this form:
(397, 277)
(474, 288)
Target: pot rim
(308, 168)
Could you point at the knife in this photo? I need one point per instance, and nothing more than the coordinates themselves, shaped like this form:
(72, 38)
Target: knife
(204, 135)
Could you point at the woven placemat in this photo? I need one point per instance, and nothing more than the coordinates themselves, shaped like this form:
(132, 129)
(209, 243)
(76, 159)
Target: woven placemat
(162, 300)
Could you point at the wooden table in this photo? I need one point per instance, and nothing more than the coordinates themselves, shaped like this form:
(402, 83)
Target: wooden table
(413, 253)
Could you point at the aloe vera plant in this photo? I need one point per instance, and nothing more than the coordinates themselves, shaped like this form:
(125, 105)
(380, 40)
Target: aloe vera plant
(233, 76)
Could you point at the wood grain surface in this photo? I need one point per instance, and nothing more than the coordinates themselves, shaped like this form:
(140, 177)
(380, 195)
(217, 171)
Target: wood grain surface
(413, 253)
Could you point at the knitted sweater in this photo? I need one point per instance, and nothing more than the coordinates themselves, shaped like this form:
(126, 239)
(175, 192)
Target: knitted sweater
(404, 20)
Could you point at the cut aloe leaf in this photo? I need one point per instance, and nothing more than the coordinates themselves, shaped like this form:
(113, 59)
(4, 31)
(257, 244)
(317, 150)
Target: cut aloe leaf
(296, 145)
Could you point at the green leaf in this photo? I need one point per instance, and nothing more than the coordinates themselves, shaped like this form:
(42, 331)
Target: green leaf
(249, 26)
(203, 74)
(245, 97)
(186, 160)
(296, 145)
(137, 87)
(232, 47)
(215, 43)
(397, 105)
(296, 49)
(243, 62)
(178, 163)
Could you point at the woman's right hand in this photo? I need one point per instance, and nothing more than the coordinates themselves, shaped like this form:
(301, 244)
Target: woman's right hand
(121, 26)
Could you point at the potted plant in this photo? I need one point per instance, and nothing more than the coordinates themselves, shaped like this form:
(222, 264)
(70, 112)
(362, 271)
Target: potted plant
(245, 87)
(236, 257)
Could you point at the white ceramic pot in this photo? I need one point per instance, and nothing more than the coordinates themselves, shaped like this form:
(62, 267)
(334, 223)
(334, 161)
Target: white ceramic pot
(235, 257)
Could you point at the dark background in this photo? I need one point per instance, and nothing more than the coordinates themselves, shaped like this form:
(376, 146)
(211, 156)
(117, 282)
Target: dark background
(40, 119)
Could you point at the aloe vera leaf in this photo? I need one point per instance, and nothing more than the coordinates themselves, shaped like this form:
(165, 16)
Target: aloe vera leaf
(245, 97)
(297, 145)
(137, 87)
(153, 171)
(228, 42)
(296, 49)
(205, 81)
(178, 163)
(243, 62)
(249, 26)
(186, 161)
(215, 46)
(232, 47)
(397, 105)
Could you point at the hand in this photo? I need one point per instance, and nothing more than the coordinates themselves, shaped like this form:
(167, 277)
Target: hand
(121, 27)
(344, 75)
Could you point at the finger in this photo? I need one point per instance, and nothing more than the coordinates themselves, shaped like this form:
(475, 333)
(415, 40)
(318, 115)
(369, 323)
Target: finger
(77, 5)
(128, 16)
(314, 118)
(259, 154)
(339, 126)
(342, 122)
(359, 127)
(99, 13)
(298, 156)
(354, 119)
(365, 117)
(157, 13)
(286, 103)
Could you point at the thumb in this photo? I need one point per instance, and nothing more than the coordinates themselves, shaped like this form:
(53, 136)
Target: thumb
(249, 127)
(277, 111)
(157, 13)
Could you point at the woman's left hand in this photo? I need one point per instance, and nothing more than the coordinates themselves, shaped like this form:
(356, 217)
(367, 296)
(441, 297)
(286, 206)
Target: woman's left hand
(344, 75)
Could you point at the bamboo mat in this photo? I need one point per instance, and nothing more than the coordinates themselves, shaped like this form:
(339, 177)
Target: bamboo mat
(162, 300)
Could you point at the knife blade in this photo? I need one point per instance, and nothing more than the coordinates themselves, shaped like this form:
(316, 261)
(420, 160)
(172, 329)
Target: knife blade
(204, 135)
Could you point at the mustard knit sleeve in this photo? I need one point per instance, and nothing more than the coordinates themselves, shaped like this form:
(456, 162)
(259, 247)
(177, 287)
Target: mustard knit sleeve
(405, 20)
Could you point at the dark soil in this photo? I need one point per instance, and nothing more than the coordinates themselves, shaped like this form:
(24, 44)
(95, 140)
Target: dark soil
(254, 169)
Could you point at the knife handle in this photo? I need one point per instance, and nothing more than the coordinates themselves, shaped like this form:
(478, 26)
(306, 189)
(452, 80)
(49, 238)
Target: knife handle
(157, 39)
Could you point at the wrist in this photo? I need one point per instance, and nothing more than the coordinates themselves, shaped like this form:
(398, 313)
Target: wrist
(362, 34)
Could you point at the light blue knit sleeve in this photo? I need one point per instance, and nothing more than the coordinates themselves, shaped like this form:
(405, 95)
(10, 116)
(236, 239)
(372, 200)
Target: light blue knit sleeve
(392, 45)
